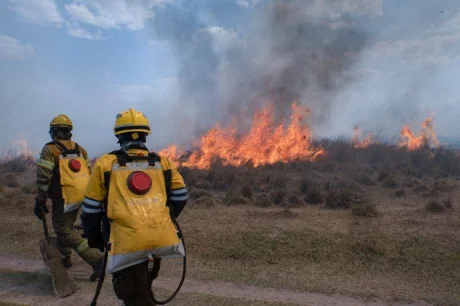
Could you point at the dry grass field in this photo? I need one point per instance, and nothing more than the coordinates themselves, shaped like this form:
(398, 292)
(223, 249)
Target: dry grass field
(378, 225)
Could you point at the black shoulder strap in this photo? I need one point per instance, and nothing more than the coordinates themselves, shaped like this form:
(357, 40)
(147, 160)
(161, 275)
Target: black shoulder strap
(168, 181)
(167, 174)
(122, 157)
(64, 150)
(77, 149)
(154, 158)
(107, 175)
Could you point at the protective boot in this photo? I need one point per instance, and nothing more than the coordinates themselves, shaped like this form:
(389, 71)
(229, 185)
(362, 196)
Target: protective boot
(98, 268)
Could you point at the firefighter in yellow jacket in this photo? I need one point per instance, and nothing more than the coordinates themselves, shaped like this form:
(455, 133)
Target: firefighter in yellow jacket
(132, 195)
(62, 174)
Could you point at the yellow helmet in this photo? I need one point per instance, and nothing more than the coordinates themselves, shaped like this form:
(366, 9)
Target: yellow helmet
(131, 121)
(61, 121)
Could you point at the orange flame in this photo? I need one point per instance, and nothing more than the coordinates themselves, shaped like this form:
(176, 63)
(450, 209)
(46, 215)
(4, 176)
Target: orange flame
(265, 143)
(358, 141)
(414, 142)
(172, 152)
(25, 153)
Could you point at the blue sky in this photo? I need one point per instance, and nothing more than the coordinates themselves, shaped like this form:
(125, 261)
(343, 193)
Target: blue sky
(184, 63)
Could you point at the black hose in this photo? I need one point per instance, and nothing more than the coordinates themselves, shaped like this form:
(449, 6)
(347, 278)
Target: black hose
(101, 278)
(184, 270)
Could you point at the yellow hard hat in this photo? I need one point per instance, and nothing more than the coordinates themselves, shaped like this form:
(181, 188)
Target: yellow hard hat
(131, 121)
(61, 121)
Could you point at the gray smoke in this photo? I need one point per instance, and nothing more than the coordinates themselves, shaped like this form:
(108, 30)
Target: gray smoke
(286, 54)
(306, 57)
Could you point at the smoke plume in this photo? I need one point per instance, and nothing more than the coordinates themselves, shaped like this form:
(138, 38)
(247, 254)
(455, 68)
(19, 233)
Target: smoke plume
(287, 53)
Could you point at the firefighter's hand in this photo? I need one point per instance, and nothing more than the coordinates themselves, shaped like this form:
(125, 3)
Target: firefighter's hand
(39, 205)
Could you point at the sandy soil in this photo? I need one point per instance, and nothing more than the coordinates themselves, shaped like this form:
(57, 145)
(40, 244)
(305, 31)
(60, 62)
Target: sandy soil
(15, 288)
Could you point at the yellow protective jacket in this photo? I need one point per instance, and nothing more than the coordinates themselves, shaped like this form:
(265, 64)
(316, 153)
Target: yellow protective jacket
(134, 198)
(48, 179)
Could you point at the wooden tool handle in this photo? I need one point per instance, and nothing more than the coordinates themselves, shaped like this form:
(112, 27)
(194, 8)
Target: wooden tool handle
(45, 227)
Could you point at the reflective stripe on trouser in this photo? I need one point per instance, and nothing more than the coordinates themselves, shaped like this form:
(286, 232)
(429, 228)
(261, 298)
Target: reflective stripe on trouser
(122, 261)
(132, 285)
(69, 238)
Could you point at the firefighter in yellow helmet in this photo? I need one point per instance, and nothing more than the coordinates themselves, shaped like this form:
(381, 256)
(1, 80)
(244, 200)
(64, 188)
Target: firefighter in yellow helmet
(62, 175)
(132, 194)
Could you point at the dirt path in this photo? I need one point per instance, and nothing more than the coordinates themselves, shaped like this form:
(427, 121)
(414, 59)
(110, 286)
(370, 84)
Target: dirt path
(25, 281)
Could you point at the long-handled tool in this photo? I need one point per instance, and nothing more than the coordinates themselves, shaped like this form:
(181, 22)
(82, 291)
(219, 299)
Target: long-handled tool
(62, 283)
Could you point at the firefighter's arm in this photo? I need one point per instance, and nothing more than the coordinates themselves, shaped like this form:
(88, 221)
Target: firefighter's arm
(45, 167)
(179, 193)
(92, 208)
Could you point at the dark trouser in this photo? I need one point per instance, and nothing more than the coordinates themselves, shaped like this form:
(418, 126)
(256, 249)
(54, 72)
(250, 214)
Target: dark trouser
(68, 236)
(133, 285)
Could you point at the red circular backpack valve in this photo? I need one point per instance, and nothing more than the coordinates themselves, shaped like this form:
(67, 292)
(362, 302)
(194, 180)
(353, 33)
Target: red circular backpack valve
(139, 182)
(74, 165)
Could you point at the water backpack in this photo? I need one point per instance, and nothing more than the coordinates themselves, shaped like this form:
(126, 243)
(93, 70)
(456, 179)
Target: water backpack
(74, 176)
(140, 222)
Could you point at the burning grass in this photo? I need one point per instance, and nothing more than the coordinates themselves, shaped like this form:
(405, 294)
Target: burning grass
(284, 144)
(360, 141)
(427, 137)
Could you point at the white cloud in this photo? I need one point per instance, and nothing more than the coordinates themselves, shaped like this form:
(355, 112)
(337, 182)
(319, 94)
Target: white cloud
(223, 39)
(247, 3)
(38, 11)
(108, 14)
(74, 29)
(13, 49)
